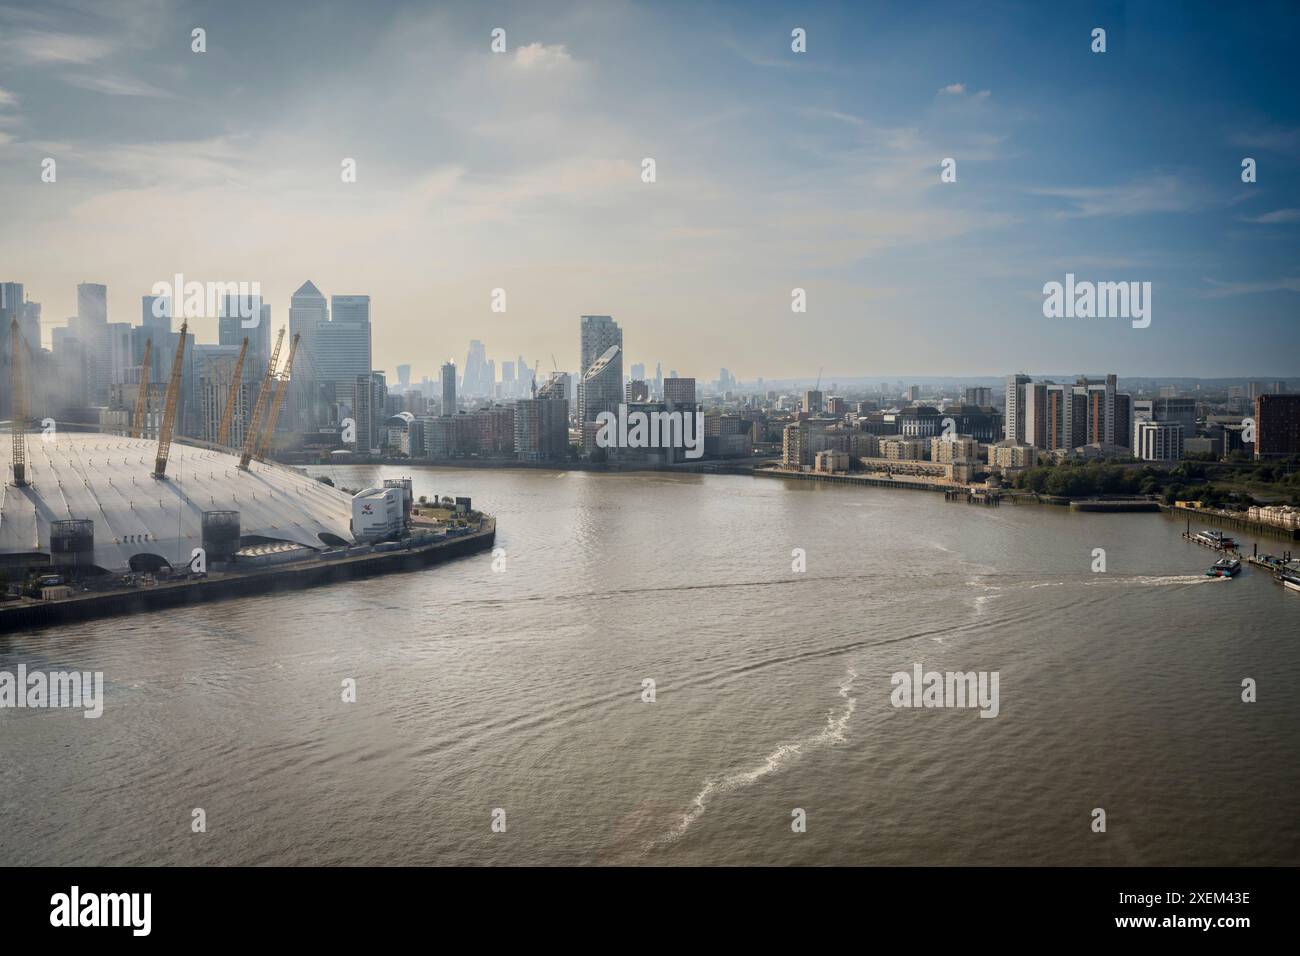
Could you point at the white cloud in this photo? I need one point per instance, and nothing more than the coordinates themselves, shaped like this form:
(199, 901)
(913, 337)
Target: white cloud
(540, 56)
(959, 89)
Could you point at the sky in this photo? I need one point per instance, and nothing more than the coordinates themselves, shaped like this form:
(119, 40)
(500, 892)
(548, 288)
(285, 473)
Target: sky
(775, 170)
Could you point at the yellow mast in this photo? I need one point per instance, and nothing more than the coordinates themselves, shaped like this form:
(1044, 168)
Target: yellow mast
(278, 404)
(18, 403)
(263, 396)
(142, 397)
(169, 407)
(236, 383)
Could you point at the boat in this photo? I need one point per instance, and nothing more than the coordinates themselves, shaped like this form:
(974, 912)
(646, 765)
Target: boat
(1290, 580)
(1224, 568)
(1215, 539)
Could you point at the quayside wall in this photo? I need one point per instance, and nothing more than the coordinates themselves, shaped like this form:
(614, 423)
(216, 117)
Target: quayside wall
(282, 578)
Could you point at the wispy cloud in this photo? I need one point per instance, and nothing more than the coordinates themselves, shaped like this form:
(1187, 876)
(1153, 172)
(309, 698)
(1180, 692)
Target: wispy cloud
(1223, 290)
(1273, 139)
(116, 84)
(1153, 195)
(1274, 217)
(35, 47)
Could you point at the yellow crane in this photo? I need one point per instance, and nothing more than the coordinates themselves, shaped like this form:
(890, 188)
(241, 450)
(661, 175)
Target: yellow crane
(169, 407)
(236, 384)
(142, 397)
(263, 395)
(280, 387)
(18, 404)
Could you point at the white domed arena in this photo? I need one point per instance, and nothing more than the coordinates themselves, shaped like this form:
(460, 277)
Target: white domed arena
(140, 522)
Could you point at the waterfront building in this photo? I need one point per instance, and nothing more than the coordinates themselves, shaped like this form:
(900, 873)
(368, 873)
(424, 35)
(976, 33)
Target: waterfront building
(600, 341)
(1015, 413)
(1008, 455)
(831, 462)
(1277, 425)
(541, 429)
(601, 390)
(794, 445)
(954, 449)
(903, 449)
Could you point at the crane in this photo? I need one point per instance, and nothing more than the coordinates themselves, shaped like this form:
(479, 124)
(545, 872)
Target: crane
(169, 407)
(236, 383)
(263, 395)
(142, 399)
(18, 403)
(278, 404)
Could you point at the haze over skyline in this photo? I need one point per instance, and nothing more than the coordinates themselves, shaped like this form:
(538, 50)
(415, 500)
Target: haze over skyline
(775, 170)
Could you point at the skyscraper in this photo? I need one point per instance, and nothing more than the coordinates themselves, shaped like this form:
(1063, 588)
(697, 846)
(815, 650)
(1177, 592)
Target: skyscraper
(342, 345)
(92, 329)
(475, 381)
(449, 388)
(601, 390)
(1015, 420)
(601, 340)
(307, 311)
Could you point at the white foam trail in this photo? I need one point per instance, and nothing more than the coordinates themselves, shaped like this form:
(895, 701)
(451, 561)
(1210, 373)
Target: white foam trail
(833, 733)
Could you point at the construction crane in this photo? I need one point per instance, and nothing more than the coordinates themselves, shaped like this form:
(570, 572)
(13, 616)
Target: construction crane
(281, 387)
(236, 383)
(259, 410)
(169, 407)
(18, 404)
(142, 398)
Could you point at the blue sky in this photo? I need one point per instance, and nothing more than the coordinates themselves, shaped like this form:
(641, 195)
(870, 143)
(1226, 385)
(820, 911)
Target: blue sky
(775, 170)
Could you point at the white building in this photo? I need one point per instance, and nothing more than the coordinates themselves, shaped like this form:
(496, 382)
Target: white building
(376, 513)
(954, 449)
(1158, 441)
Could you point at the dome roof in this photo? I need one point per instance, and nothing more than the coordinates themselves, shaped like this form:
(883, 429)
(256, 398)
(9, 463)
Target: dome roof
(106, 478)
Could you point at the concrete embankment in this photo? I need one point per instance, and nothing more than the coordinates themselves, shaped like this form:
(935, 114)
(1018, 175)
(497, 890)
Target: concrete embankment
(306, 574)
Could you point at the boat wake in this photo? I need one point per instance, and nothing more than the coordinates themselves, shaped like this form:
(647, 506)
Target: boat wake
(834, 732)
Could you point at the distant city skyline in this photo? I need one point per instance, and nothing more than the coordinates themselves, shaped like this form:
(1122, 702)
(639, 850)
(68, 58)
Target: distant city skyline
(775, 170)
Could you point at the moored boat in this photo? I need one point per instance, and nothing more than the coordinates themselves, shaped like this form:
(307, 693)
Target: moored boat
(1215, 539)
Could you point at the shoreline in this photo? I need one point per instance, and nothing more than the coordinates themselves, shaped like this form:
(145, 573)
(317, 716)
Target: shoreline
(309, 573)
